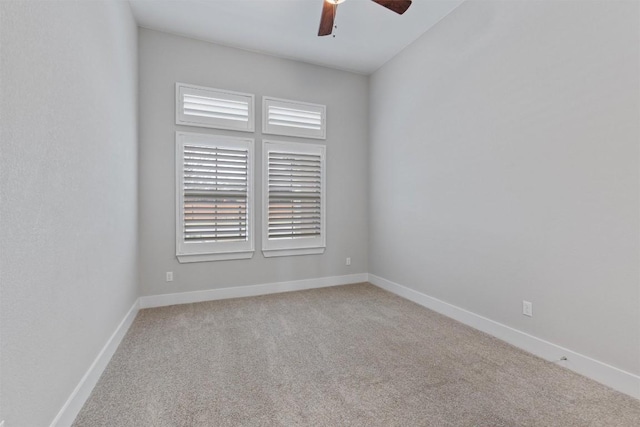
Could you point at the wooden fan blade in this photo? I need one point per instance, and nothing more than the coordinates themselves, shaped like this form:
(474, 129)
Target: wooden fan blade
(398, 6)
(326, 20)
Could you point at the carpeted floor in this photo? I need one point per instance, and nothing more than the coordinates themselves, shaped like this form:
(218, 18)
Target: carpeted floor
(345, 356)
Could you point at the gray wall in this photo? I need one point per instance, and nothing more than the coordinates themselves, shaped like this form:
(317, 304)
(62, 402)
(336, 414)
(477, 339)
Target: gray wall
(68, 186)
(166, 59)
(504, 166)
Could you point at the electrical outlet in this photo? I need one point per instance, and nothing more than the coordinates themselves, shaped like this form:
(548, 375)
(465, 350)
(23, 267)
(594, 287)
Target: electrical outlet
(527, 308)
(169, 276)
(348, 261)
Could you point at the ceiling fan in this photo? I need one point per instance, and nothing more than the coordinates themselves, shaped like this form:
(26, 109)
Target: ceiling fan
(329, 8)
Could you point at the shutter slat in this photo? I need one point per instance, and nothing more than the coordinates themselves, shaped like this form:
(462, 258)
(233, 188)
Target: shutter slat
(300, 181)
(292, 176)
(203, 161)
(227, 110)
(282, 213)
(217, 157)
(205, 100)
(216, 238)
(291, 235)
(289, 216)
(213, 115)
(289, 164)
(235, 181)
(297, 222)
(215, 229)
(228, 169)
(217, 208)
(284, 155)
(208, 161)
(208, 173)
(290, 119)
(293, 165)
(215, 221)
(294, 112)
(308, 196)
(293, 125)
(204, 192)
(217, 213)
(203, 218)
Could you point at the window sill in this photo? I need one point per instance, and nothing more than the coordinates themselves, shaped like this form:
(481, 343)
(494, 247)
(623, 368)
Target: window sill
(269, 253)
(186, 258)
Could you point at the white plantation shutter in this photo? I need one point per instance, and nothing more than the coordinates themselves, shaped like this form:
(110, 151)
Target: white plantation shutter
(294, 198)
(293, 118)
(216, 108)
(214, 195)
(294, 195)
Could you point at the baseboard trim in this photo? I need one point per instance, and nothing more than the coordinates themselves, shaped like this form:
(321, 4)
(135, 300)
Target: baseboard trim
(248, 291)
(79, 396)
(608, 375)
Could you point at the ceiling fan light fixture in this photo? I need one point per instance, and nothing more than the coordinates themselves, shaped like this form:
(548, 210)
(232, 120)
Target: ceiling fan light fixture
(335, 1)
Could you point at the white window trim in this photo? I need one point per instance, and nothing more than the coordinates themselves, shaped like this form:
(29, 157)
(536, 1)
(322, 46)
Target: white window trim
(200, 252)
(251, 101)
(298, 133)
(272, 248)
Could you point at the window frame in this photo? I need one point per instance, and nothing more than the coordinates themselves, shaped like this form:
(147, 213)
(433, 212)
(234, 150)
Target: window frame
(228, 95)
(187, 252)
(268, 129)
(302, 246)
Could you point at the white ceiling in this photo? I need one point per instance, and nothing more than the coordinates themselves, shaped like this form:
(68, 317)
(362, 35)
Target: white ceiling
(368, 35)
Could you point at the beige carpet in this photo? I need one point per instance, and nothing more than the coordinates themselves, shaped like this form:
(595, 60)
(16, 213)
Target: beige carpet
(345, 356)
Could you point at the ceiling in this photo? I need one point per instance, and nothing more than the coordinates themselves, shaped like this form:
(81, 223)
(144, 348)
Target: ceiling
(368, 35)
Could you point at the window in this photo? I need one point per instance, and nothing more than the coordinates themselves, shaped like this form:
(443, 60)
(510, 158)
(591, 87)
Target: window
(293, 118)
(214, 186)
(214, 108)
(294, 199)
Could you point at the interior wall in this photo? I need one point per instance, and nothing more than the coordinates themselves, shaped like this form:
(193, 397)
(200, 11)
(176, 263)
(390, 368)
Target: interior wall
(166, 59)
(504, 166)
(68, 187)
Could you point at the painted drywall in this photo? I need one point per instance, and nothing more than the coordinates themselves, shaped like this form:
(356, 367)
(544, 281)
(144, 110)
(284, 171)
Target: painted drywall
(68, 187)
(166, 59)
(504, 167)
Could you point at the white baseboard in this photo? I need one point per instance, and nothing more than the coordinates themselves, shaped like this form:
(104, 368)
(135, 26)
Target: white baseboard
(248, 291)
(82, 391)
(608, 375)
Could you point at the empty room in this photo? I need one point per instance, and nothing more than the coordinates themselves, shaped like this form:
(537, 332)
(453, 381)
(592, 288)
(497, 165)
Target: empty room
(319, 213)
